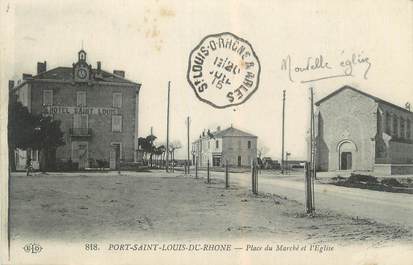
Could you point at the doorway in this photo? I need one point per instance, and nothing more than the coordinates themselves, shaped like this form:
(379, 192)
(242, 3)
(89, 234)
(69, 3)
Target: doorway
(216, 161)
(347, 150)
(114, 156)
(346, 161)
(80, 154)
(239, 161)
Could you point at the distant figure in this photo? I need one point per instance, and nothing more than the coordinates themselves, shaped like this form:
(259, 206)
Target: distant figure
(260, 164)
(28, 166)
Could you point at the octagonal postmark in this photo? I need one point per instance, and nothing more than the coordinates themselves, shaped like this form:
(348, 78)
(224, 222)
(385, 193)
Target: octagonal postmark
(223, 70)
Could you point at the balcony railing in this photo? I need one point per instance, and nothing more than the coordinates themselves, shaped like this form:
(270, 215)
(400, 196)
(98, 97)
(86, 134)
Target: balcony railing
(80, 132)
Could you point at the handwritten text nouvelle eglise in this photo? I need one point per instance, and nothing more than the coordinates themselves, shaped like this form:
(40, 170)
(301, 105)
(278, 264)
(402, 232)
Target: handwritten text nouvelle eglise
(320, 68)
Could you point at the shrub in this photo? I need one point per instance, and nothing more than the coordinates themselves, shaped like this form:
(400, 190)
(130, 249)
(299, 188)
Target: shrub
(338, 178)
(357, 178)
(392, 182)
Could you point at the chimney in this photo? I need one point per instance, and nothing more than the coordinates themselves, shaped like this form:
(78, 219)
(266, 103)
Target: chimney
(26, 76)
(41, 67)
(11, 84)
(99, 64)
(218, 128)
(120, 73)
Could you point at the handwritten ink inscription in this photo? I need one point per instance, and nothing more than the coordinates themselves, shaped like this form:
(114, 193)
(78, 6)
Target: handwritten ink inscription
(223, 70)
(320, 68)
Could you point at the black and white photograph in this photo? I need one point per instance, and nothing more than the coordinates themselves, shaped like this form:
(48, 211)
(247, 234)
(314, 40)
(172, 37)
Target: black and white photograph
(206, 132)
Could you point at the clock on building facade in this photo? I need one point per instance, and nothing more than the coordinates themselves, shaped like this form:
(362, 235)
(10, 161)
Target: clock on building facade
(81, 70)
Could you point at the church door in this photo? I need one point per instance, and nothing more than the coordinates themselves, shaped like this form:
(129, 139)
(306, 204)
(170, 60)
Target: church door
(346, 160)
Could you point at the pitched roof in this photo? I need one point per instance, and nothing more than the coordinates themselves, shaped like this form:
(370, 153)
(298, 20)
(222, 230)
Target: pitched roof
(231, 131)
(361, 92)
(66, 74)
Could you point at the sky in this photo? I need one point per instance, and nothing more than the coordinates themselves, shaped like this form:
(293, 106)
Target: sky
(151, 41)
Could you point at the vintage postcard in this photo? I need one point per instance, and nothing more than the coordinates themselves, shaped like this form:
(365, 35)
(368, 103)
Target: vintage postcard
(206, 132)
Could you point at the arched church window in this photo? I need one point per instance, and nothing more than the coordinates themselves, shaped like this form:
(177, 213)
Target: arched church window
(388, 123)
(401, 127)
(395, 126)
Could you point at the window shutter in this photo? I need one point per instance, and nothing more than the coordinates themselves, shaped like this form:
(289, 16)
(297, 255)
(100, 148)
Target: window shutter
(116, 123)
(81, 98)
(117, 100)
(47, 97)
(83, 121)
(76, 121)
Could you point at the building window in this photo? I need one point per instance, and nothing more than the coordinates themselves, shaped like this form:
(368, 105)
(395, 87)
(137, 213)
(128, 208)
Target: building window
(388, 123)
(47, 97)
(216, 161)
(395, 126)
(117, 100)
(34, 155)
(401, 127)
(81, 98)
(80, 121)
(216, 144)
(117, 148)
(408, 129)
(116, 123)
(249, 144)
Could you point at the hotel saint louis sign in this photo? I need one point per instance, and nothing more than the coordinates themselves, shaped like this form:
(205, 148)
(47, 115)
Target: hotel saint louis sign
(50, 110)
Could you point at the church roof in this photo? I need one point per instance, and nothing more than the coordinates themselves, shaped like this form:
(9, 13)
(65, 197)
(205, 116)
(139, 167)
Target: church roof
(363, 93)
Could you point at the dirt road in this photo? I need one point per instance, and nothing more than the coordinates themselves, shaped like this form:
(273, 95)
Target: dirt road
(386, 207)
(83, 206)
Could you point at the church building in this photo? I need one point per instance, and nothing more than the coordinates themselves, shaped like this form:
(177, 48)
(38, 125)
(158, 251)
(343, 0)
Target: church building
(357, 131)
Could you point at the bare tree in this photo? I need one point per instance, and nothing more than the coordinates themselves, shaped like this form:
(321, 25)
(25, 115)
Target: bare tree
(262, 150)
(174, 146)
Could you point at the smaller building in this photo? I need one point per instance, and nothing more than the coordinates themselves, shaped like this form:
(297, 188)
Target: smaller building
(231, 145)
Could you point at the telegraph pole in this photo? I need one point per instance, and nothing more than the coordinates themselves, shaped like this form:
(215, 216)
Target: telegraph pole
(312, 147)
(151, 155)
(310, 164)
(188, 121)
(167, 128)
(311, 127)
(282, 147)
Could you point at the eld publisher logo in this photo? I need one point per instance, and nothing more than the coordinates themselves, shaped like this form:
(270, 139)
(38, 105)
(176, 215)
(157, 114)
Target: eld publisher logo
(32, 248)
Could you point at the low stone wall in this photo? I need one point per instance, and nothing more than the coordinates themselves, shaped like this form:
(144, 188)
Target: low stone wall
(393, 169)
